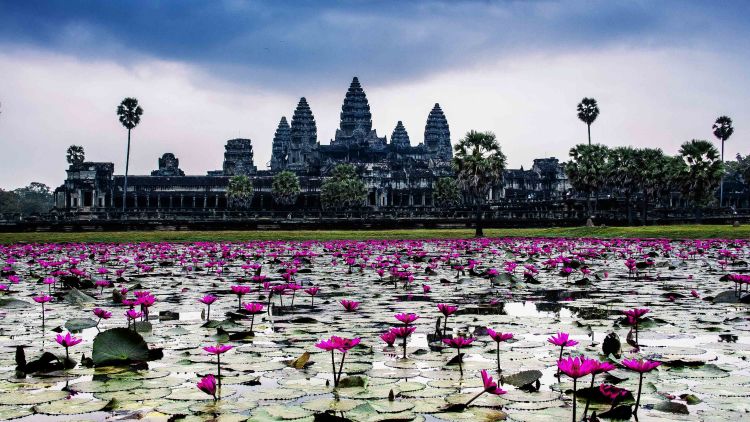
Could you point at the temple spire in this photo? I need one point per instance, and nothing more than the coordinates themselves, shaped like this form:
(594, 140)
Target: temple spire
(399, 137)
(280, 146)
(437, 135)
(355, 112)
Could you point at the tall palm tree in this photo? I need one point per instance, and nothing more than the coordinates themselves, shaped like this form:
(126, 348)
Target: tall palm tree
(479, 164)
(703, 173)
(622, 170)
(650, 171)
(588, 111)
(240, 192)
(129, 113)
(587, 170)
(722, 130)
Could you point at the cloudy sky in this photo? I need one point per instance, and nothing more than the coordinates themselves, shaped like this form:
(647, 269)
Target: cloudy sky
(208, 71)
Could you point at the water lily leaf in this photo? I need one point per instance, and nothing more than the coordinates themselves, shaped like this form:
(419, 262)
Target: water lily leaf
(79, 324)
(522, 378)
(119, 346)
(672, 407)
(76, 297)
(72, 406)
(300, 362)
(13, 303)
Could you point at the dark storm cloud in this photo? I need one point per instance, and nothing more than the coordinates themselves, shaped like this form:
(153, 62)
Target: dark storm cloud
(287, 44)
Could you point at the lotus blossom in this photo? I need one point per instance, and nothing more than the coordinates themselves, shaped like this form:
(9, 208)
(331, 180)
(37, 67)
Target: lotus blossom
(641, 366)
(218, 350)
(132, 315)
(406, 318)
(207, 384)
(101, 314)
(341, 344)
(388, 337)
(349, 305)
(208, 300)
(613, 393)
(403, 333)
(253, 309)
(575, 368)
(426, 288)
(489, 386)
(597, 367)
(635, 316)
(312, 291)
(457, 343)
(499, 338)
(66, 342)
(239, 291)
(42, 299)
(446, 310)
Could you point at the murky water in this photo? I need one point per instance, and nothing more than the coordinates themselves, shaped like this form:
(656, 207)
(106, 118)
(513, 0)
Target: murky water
(685, 332)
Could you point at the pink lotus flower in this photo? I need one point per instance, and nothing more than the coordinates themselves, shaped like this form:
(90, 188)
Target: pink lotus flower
(562, 340)
(341, 344)
(498, 337)
(426, 288)
(253, 309)
(349, 305)
(406, 318)
(207, 384)
(42, 299)
(312, 291)
(612, 392)
(66, 342)
(575, 368)
(641, 366)
(389, 338)
(101, 314)
(457, 343)
(489, 386)
(218, 350)
(446, 309)
(208, 299)
(403, 333)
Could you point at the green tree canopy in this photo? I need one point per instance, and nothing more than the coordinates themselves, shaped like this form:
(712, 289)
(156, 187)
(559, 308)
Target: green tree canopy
(446, 192)
(703, 171)
(343, 189)
(285, 188)
(240, 192)
(479, 163)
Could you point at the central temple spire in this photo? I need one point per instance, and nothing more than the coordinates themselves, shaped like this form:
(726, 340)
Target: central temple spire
(355, 112)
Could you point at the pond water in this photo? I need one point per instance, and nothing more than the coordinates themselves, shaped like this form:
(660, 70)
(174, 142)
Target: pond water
(697, 327)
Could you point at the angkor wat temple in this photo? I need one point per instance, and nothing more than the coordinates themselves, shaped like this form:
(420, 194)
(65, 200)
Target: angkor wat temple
(397, 174)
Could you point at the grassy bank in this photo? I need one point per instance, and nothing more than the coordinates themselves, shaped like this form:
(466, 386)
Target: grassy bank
(671, 232)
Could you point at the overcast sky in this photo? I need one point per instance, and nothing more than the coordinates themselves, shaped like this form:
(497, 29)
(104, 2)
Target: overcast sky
(208, 71)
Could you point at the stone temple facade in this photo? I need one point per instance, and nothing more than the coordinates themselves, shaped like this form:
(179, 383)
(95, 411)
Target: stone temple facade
(397, 172)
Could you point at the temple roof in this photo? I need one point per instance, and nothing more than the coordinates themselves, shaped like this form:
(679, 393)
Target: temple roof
(437, 133)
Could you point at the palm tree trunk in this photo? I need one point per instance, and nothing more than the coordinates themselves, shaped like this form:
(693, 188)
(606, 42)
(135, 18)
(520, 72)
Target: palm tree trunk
(589, 128)
(478, 222)
(721, 186)
(125, 185)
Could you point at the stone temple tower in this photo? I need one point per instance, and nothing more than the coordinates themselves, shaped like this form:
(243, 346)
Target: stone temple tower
(355, 112)
(437, 135)
(399, 137)
(303, 139)
(280, 147)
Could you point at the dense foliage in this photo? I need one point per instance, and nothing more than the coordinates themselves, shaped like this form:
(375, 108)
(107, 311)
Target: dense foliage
(285, 188)
(32, 199)
(240, 192)
(343, 189)
(446, 192)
